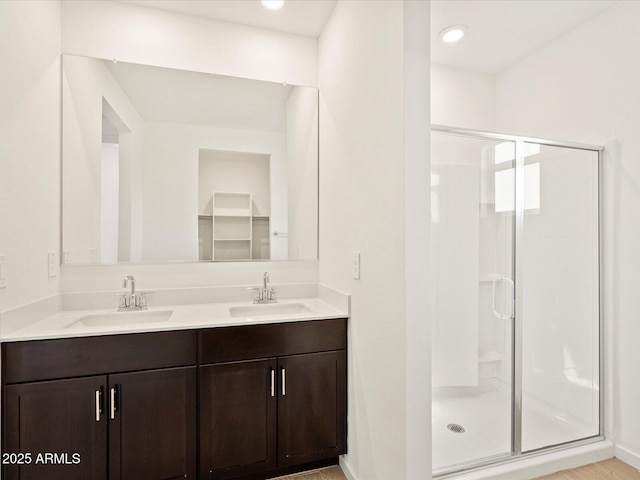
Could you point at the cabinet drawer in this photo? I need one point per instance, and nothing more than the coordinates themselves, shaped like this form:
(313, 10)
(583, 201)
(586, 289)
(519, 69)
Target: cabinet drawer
(226, 344)
(77, 357)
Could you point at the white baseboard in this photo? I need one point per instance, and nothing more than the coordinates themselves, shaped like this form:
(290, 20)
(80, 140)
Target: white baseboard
(627, 456)
(345, 468)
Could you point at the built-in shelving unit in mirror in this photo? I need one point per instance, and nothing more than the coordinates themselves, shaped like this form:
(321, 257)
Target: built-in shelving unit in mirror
(232, 226)
(232, 231)
(234, 205)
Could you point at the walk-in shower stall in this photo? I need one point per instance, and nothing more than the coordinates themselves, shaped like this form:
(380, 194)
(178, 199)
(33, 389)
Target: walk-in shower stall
(515, 251)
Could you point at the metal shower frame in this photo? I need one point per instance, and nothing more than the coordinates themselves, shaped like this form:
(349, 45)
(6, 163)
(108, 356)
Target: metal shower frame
(516, 371)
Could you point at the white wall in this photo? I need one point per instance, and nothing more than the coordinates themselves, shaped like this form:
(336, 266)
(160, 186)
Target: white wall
(462, 98)
(302, 170)
(109, 203)
(106, 29)
(233, 172)
(583, 87)
(29, 148)
(130, 33)
(374, 112)
(87, 278)
(86, 84)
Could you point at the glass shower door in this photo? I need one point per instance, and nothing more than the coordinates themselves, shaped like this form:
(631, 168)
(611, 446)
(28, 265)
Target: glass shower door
(559, 300)
(472, 219)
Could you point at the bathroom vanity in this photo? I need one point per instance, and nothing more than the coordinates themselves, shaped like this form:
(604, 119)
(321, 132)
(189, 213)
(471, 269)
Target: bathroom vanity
(242, 401)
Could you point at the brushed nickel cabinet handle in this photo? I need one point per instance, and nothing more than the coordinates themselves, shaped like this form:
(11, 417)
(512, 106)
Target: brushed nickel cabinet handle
(284, 382)
(273, 382)
(98, 407)
(113, 403)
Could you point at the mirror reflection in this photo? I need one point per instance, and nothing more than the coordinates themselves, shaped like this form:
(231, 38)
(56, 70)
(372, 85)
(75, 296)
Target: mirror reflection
(167, 165)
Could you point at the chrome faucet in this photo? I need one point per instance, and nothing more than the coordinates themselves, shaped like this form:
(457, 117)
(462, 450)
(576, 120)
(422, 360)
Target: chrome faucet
(266, 294)
(132, 301)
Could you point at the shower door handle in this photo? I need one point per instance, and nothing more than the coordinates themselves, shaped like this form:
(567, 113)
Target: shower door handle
(512, 298)
(497, 313)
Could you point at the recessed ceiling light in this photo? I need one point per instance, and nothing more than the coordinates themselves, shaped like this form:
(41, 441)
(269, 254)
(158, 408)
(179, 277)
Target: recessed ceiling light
(453, 33)
(272, 4)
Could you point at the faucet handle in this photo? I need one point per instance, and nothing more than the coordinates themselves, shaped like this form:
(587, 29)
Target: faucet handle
(257, 296)
(142, 301)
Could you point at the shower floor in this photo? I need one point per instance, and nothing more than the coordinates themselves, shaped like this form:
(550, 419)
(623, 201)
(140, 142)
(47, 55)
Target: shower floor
(485, 414)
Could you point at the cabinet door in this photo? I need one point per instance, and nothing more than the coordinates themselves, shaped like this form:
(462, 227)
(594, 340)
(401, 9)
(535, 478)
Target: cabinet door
(62, 418)
(152, 435)
(237, 418)
(311, 407)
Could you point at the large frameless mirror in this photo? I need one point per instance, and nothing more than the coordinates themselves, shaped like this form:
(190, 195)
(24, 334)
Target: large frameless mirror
(163, 165)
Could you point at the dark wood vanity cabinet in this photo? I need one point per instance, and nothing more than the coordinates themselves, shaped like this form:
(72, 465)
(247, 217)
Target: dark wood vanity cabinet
(275, 400)
(265, 399)
(153, 431)
(121, 425)
(55, 417)
(311, 407)
(237, 418)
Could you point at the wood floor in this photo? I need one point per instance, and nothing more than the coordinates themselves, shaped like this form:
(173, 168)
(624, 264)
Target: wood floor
(612, 469)
(329, 473)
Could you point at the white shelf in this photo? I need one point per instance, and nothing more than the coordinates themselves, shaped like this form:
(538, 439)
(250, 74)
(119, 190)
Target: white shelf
(232, 226)
(491, 357)
(232, 232)
(488, 278)
(227, 212)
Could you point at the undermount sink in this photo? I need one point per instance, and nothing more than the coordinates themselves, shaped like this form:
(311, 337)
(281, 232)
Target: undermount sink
(122, 318)
(258, 310)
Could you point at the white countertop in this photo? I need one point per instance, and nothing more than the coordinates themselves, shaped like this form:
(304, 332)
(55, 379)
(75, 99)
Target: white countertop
(184, 316)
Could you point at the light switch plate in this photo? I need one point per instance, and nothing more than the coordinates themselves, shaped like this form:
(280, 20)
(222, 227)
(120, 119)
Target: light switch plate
(356, 265)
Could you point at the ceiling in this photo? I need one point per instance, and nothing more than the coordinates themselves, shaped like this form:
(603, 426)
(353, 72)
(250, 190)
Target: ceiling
(501, 32)
(302, 17)
(183, 97)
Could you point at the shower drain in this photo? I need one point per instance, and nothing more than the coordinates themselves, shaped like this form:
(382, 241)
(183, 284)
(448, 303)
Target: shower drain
(454, 427)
